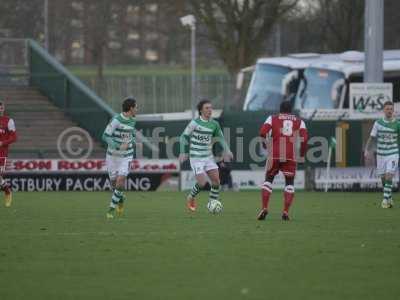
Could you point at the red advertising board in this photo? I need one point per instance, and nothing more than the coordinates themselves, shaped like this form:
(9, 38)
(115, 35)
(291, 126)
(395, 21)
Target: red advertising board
(88, 166)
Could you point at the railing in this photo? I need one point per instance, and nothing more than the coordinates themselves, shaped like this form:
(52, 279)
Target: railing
(70, 94)
(67, 91)
(162, 93)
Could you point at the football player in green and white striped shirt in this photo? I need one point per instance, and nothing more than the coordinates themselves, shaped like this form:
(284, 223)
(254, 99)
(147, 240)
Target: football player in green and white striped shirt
(386, 134)
(196, 143)
(120, 138)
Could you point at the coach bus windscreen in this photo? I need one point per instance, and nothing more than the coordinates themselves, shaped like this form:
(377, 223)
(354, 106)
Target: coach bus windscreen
(319, 88)
(265, 91)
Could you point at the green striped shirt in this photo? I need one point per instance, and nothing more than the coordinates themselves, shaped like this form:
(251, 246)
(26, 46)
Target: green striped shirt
(198, 136)
(120, 130)
(387, 134)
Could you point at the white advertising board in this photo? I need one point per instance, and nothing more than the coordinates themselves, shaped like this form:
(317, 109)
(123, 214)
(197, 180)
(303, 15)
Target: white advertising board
(247, 180)
(367, 99)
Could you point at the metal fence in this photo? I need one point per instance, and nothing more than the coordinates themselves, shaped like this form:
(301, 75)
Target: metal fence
(155, 93)
(162, 93)
(67, 92)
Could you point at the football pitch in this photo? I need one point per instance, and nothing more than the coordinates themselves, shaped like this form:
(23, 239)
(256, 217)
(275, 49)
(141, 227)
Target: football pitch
(61, 246)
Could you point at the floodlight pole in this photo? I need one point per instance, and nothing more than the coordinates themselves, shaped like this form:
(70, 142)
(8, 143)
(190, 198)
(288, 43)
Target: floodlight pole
(46, 24)
(193, 67)
(190, 21)
(373, 41)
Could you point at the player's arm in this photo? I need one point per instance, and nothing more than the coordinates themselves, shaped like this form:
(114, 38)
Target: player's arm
(133, 137)
(265, 131)
(12, 134)
(219, 136)
(371, 140)
(132, 141)
(184, 141)
(303, 133)
(398, 133)
(107, 135)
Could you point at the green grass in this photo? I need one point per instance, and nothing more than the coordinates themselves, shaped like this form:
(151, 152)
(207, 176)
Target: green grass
(143, 70)
(60, 246)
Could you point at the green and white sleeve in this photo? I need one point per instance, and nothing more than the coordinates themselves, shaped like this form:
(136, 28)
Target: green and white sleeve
(398, 132)
(219, 136)
(108, 134)
(374, 130)
(184, 139)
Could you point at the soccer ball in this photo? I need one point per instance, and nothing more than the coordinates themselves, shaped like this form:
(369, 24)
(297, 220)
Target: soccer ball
(214, 206)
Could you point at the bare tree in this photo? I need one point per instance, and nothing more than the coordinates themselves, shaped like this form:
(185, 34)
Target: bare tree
(23, 18)
(392, 24)
(239, 30)
(60, 29)
(342, 22)
(168, 22)
(97, 15)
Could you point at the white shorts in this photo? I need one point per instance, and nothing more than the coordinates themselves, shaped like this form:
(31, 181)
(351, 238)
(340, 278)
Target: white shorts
(387, 164)
(202, 165)
(117, 166)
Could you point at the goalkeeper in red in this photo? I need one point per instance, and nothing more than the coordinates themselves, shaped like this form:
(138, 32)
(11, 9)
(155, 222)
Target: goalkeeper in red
(8, 136)
(282, 132)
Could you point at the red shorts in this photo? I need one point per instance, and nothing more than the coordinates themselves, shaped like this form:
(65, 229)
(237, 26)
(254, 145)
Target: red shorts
(288, 167)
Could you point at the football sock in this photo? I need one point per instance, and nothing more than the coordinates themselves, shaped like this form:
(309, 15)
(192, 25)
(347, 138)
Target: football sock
(387, 190)
(5, 187)
(288, 195)
(194, 191)
(214, 192)
(266, 191)
(117, 196)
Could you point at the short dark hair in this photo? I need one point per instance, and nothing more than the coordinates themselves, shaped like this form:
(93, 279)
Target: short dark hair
(387, 103)
(201, 104)
(128, 103)
(286, 107)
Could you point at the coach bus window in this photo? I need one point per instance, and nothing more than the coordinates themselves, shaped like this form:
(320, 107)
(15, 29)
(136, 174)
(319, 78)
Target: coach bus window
(265, 91)
(317, 89)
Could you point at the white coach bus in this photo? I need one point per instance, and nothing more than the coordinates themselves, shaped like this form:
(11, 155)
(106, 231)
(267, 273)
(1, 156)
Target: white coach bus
(325, 85)
(313, 81)
(277, 78)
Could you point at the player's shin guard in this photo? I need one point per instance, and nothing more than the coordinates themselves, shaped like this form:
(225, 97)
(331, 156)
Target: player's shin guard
(117, 197)
(266, 191)
(214, 192)
(387, 190)
(194, 191)
(288, 195)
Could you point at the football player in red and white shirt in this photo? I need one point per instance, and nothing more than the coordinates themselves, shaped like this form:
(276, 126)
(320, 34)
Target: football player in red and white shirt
(8, 135)
(282, 132)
